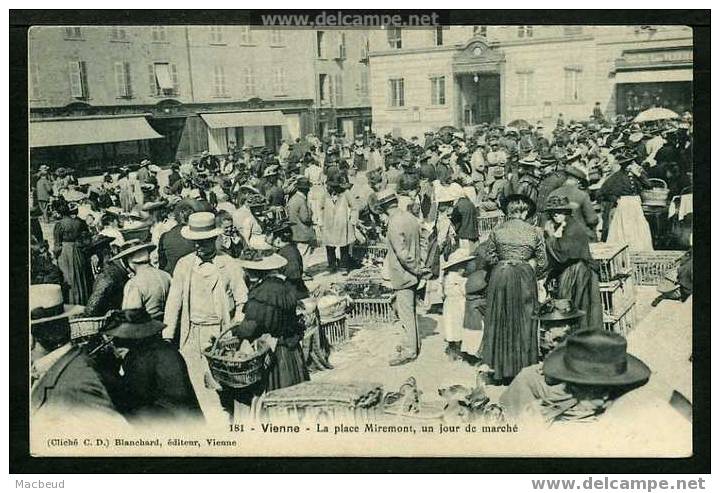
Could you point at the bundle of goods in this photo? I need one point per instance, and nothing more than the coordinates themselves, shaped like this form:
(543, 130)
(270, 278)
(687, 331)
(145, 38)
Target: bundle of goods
(650, 267)
(317, 402)
(407, 404)
(332, 309)
(84, 327)
(238, 363)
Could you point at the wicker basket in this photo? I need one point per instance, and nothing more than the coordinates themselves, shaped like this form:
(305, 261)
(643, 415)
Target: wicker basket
(233, 372)
(656, 196)
(335, 332)
(613, 260)
(487, 220)
(621, 324)
(371, 311)
(650, 267)
(616, 296)
(315, 402)
(86, 326)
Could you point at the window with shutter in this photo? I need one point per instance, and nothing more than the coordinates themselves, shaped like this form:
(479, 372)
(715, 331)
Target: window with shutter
(322, 87)
(525, 88)
(572, 85)
(397, 93)
(338, 89)
(154, 89)
(320, 45)
(525, 31)
(437, 91)
(176, 83)
(73, 32)
(35, 81)
(120, 80)
(245, 35)
(163, 79)
(78, 82)
(394, 37)
(219, 81)
(249, 81)
(159, 33)
(438, 36)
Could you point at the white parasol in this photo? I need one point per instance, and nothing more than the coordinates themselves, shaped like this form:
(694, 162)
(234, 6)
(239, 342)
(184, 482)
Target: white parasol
(654, 114)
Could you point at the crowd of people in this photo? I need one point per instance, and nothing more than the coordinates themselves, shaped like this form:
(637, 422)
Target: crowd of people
(175, 259)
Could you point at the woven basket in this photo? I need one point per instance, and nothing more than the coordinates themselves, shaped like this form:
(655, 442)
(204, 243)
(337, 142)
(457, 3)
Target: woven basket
(656, 196)
(86, 326)
(234, 372)
(650, 267)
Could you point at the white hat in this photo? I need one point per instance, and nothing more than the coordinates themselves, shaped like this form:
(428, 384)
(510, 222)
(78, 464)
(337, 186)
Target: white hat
(46, 304)
(267, 262)
(457, 257)
(200, 226)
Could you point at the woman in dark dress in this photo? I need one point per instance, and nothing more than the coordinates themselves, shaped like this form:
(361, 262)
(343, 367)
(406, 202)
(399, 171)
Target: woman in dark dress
(271, 308)
(155, 385)
(293, 271)
(71, 236)
(516, 250)
(572, 273)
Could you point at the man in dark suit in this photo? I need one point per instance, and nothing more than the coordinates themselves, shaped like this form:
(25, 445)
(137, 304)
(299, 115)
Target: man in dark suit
(172, 245)
(64, 382)
(300, 216)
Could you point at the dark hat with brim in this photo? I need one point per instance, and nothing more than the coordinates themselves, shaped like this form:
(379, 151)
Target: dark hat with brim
(595, 357)
(131, 324)
(559, 204)
(532, 207)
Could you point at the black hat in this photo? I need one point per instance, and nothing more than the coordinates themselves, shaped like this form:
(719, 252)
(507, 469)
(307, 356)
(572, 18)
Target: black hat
(519, 196)
(132, 324)
(559, 203)
(595, 357)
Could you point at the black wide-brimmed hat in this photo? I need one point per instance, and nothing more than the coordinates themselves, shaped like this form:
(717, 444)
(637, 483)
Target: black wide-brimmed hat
(559, 204)
(595, 357)
(131, 324)
(518, 196)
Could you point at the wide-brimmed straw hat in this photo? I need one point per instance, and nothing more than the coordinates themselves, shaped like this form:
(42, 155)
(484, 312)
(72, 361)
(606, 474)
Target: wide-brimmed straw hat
(262, 260)
(595, 357)
(579, 172)
(46, 304)
(131, 247)
(200, 226)
(131, 324)
(457, 257)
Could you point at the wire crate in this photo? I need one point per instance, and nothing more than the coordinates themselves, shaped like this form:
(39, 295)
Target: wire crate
(649, 268)
(376, 252)
(617, 295)
(369, 311)
(336, 332)
(487, 220)
(621, 324)
(613, 260)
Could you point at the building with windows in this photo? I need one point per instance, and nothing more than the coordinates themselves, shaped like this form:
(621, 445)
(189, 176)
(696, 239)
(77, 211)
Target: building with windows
(465, 75)
(103, 96)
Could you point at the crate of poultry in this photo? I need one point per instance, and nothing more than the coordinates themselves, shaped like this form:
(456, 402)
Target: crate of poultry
(318, 402)
(613, 260)
(373, 252)
(649, 268)
(332, 310)
(617, 295)
(623, 323)
(487, 220)
(237, 363)
(370, 304)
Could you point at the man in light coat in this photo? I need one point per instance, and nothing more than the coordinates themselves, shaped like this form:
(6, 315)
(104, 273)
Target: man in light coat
(403, 266)
(300, 215)
(206, 297)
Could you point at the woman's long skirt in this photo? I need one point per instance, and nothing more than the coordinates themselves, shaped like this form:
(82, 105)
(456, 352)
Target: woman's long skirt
(510, 339)
(473, 324)
(579, 283)
(287, 368)
(77, 272)
(629, 226)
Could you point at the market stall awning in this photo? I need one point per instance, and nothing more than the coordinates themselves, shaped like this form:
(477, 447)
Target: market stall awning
(75, 131)
(244, 119)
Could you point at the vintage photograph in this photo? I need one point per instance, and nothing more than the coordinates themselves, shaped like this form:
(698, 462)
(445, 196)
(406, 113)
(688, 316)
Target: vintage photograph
(390, 240)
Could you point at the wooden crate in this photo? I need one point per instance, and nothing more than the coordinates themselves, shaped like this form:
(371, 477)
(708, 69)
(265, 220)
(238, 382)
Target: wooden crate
(613, 260)
(649, 268)
(621, 324)
(616, 296)
(370, 311)
(488, 220)
(336, 332)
